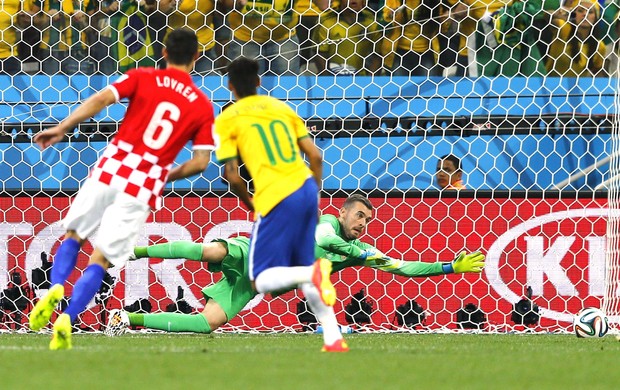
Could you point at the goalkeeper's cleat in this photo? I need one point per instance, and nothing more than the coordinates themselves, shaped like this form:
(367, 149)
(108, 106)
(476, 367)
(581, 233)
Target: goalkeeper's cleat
(43, 310)
(338, 346)
(118, 322)
(320, 278)
(61, 336)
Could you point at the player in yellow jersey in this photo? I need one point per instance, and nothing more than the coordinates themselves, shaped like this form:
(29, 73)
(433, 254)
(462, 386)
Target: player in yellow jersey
(270, 137)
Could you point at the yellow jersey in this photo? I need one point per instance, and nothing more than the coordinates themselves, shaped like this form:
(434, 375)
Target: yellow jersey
(306, 8)
(263, 132)
(476, 10)
(197, 15)
(409, 37)
(260, 21)
(353, 42)
(562, 61)
(8, 37)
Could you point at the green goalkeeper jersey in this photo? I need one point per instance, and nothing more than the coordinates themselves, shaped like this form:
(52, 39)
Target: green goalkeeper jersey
(332, 245)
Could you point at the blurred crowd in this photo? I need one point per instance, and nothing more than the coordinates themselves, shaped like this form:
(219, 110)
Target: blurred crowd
(343, 37)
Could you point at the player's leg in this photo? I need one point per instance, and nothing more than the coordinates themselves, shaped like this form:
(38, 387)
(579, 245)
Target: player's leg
(211, 318)
(81, 221)
(172, 250)
(225, 299)
(83, 292)
(332, 338)
(118, 232)
(66, 258)
(320, 294)
(64, 262)
(275, 237)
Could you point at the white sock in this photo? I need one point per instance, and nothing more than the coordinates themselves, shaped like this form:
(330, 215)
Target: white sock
(282, 278)
(325, 314)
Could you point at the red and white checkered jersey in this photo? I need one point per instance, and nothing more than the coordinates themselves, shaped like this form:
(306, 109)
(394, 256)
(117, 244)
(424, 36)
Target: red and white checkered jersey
(166, 111)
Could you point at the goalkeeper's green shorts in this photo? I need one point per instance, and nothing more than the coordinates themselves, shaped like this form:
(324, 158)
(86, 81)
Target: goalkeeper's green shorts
(234, 290)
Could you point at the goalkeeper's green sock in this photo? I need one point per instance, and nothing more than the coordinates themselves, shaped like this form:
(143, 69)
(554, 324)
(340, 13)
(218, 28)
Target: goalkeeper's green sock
(171, 322)
(171, 250)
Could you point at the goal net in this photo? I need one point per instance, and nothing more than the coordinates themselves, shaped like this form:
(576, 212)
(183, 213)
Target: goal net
(523, 93)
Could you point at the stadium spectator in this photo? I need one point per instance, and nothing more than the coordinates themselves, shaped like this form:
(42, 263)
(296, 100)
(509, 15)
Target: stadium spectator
(12, 19)
(576, 50)
(100, 35)
(62, 47)
(309, 14)
(166, 110)
(286, 193)
(197, 15)
(611, 36)
(266, 31)
(449, 174)
(131, 36)
(506, 41)
(459, 21)
(349, 40)
(337, 239)
(411, 45)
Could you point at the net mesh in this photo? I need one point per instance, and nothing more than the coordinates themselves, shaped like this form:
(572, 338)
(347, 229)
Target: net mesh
(524, 93)
(611, 299)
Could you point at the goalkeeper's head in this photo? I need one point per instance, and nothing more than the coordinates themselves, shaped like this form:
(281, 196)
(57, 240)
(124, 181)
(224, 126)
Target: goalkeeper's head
(355, 214)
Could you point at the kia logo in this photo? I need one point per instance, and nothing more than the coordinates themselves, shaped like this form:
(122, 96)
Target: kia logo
(545, 263)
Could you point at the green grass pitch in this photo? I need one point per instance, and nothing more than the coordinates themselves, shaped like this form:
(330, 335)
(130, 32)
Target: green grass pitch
(288, 361)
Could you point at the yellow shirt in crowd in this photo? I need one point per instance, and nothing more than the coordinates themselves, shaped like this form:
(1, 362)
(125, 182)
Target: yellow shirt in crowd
(363, 38)
(561, 62)
(261, 21)
(8, 38)
(197, 15)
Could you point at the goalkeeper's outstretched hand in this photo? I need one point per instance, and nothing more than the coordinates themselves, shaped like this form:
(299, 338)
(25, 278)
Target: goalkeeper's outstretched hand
(372, 254)
(468, 262)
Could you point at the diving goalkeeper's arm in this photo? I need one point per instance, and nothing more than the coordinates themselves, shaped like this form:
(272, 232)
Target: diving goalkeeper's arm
(463, 263)
(343, 253)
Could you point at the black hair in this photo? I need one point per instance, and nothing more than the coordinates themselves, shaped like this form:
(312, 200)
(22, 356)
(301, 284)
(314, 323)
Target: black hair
(182, 46)
(243, 75)
(455, 160)
(357, 198)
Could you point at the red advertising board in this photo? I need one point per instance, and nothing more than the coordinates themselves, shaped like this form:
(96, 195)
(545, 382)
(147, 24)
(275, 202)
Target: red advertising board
(555, 246)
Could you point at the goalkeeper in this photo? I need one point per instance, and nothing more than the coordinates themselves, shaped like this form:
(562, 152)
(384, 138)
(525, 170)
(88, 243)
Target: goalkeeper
(337, 239)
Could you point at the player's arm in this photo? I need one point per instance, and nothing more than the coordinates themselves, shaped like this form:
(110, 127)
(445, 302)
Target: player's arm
(464, 263)
(93, 105)
(237, 185)
(314, 158)
(197, 164)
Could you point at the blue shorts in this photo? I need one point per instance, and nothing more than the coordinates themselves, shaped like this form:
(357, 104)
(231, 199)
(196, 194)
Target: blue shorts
(285, 236)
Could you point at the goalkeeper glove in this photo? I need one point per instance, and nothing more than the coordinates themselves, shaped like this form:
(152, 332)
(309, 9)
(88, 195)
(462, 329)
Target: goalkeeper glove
(465, 262)
(371, 254)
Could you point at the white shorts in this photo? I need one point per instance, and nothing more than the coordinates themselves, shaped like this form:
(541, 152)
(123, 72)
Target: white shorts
(118, 216)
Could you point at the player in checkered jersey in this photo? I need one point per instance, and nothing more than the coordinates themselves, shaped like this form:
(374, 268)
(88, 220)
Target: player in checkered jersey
(166, 111)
